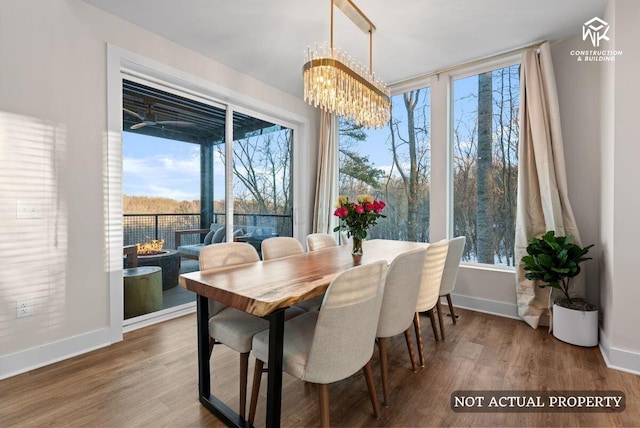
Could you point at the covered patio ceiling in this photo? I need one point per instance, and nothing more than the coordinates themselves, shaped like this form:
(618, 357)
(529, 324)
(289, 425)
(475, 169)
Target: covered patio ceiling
(157, 113)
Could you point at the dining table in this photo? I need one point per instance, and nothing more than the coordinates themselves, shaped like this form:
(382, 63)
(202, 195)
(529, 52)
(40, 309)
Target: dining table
(265, 289)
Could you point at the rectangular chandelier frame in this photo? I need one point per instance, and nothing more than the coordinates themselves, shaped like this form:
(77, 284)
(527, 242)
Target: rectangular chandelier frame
(335, 83)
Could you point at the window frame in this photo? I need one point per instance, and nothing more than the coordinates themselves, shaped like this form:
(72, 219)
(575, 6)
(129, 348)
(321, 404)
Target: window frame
(121, 63)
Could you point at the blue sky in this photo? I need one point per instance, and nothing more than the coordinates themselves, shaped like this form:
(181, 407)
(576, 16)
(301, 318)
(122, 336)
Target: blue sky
(164, 168)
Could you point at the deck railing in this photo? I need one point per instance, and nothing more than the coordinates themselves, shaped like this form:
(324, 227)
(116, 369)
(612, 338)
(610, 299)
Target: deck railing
(138, 228)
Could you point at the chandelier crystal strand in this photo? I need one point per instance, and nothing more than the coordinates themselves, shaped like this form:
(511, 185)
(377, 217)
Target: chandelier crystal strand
(336, 83)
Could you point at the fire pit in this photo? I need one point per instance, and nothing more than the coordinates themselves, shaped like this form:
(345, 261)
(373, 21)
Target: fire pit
(152, 254)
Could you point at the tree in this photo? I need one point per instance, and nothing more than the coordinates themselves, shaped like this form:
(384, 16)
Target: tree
(355, 167)
(505, 164)
(484, 219)
(262, 174)
(499, 183)
(404, 187)
(412, 166)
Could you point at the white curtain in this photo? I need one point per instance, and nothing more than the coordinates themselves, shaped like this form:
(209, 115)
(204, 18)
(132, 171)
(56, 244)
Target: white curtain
(543, 202)
(327, 179)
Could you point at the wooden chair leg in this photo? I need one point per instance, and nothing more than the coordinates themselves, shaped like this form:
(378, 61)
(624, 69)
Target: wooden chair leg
(416, 326)
(453, 315)
(432, 317)
(382, 347)
(412, 355)
(255, 389)
(244, 368)
(324, 404)
(368, 375)
(440, 320)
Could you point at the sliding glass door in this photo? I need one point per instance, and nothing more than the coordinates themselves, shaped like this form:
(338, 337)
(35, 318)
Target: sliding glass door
(175, 180)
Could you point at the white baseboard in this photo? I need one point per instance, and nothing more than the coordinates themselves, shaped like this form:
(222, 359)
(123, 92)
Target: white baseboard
(40, 356)
(618, 359)
(492, 307)
(159, 316)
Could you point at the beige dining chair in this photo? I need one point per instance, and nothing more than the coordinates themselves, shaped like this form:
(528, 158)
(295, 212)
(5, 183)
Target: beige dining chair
(398, 307)
(430, 289)
(449, 275)
(318, 241)
(334, 343)
(282, 246)
(229, 326)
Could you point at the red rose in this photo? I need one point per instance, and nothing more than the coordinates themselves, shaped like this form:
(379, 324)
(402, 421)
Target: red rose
(341, 212)
(369, 206)
(378, 206)
(360, 209)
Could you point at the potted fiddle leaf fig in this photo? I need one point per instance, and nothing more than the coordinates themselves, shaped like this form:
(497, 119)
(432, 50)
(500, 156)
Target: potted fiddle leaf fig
(553, 261)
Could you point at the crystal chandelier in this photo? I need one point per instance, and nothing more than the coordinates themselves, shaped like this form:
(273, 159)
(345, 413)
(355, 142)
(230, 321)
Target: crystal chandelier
(334, 82)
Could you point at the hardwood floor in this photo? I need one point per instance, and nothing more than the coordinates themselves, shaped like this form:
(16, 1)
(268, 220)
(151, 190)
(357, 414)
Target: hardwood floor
(150, 380)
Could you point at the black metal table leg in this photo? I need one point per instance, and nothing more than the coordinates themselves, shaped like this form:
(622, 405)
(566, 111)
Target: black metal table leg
(274, 386)
(204, 373)
(213, 404)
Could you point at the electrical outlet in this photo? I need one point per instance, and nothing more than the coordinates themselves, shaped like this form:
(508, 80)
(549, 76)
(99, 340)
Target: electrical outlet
(25, 210)
(25, 308)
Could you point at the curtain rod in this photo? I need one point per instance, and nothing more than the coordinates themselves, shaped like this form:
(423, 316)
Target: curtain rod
(467, 64)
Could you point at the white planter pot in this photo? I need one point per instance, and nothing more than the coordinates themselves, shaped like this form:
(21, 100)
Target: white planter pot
(575, 327)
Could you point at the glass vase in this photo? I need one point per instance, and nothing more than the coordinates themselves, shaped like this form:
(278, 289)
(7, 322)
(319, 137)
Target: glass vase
(357, 246)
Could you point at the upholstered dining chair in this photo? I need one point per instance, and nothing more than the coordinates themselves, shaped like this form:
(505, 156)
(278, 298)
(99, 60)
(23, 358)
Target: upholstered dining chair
(430, 289)
(229, 326)
(318, 241)
(282, 246)
(398, 307)
(334, 343)
(449, 275)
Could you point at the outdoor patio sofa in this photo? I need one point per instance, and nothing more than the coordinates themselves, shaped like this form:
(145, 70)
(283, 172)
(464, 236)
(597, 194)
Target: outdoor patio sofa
(253, 235)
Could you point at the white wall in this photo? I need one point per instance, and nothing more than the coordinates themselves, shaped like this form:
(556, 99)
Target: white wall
(626, 315)
(607, 138)
(619, 337)
(579, 96)
(53, 129)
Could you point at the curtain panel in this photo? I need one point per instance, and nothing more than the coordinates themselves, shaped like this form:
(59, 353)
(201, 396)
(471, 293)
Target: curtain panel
(543, 202)
(327, 178)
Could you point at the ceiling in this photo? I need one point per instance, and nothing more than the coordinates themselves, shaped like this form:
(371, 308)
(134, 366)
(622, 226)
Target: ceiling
(267, 39)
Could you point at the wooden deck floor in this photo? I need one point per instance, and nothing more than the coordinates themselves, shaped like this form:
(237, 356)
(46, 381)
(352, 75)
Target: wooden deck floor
(150, 380)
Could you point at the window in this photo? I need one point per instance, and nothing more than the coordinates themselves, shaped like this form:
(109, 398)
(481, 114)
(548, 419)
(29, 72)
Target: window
(393, 165)
(484, 138)
(262, 179)
(175, 176)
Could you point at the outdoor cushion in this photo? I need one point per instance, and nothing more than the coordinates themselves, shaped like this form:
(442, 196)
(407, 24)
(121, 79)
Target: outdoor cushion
(218, 236)
(209, 237)
(190, 250)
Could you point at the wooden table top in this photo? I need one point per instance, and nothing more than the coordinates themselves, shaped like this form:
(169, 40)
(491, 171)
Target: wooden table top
(262, 287)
